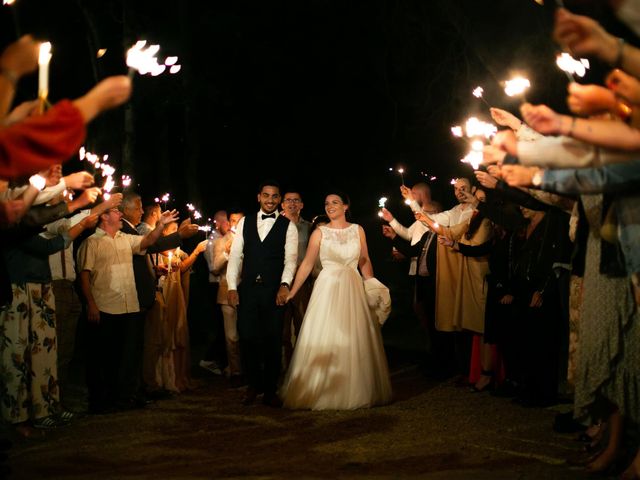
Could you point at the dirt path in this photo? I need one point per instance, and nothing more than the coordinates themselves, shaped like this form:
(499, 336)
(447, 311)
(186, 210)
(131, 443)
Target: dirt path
(432, 430)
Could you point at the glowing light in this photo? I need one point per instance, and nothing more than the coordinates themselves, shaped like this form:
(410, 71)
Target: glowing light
(143, 60)
(170, 61)
(382, 202)
(453, 181)
(407, 202)
(126, 180)
(457, 131)
(175, 68)
(101, 52)
(516, 86)
(478, 128)
(44, 58)
(8, 2)
(477, 92)
(572, 66)
(82, 152)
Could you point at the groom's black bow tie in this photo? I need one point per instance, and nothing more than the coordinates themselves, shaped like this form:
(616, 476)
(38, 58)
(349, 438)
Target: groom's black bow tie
(271, 215)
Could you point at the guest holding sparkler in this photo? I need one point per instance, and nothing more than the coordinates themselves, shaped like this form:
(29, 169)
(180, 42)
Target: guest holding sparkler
(132, 387)
(167, 358)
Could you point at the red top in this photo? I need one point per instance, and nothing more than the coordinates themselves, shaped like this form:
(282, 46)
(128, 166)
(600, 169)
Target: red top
(38, 142)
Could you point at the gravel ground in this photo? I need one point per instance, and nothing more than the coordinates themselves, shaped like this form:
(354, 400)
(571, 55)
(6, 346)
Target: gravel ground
(432, 430)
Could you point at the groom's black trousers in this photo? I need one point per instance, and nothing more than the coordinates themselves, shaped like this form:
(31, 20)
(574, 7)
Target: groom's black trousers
(260, 323)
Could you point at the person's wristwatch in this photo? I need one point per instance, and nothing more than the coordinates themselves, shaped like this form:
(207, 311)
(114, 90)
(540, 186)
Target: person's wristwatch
(285, 284)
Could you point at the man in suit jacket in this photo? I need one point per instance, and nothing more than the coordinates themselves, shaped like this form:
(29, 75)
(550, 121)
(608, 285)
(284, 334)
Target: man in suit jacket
(263, 257)
(133, 333)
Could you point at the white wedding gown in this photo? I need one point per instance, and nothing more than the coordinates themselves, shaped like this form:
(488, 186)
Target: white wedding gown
(339, 361)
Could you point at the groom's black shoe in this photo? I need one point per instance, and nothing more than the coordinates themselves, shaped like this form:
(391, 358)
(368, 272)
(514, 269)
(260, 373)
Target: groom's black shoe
(272, 400)
(249, 396)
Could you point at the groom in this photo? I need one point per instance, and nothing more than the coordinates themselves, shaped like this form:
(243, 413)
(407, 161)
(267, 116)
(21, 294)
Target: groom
(262, 261)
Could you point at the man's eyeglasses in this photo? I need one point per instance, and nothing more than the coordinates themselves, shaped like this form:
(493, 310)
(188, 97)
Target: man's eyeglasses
(292, 200)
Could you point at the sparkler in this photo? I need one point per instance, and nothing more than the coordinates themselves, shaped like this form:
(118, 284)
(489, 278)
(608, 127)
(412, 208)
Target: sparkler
(516, 87)
(474, 157)
(381, 203)
(126, 180)
(44, 58)
(164, 199)
(570, 66)
(478, 93)
(170, 255)
(430, 177)
(144, 61)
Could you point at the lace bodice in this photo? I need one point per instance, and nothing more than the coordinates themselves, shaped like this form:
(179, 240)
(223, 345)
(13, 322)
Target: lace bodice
(340, 246)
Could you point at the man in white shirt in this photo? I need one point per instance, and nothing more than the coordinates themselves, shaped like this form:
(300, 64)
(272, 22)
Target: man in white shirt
(263, 257)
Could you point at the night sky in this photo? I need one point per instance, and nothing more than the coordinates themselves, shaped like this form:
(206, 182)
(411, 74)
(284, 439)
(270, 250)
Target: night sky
(316, 94)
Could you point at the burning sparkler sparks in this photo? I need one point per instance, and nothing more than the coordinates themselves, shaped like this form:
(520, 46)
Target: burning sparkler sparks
(478, 92)
(571, 66)
(516, 86)
(142, 58)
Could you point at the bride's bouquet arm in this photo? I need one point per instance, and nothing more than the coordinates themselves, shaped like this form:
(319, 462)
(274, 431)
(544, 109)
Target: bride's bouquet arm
(305, 268)
(364, 263)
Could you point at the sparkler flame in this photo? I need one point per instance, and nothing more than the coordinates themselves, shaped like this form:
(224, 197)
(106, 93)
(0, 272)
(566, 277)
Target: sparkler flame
(477, 92)
(144, 59)
(572, 66)
(100, 53)
(8, 2)
(516, 86)
(126, 180)
(382, 202)
(457, 131)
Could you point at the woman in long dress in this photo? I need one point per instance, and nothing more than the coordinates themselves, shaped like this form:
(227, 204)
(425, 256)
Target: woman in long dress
(339, 361)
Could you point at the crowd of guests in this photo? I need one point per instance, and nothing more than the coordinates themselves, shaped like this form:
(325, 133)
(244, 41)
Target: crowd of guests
(530, 280)
(529, 286)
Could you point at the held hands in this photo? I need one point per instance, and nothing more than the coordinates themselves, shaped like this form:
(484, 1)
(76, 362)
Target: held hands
(283, 296)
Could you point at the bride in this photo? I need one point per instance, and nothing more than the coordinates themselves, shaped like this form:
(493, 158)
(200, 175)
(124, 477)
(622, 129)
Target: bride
(339, 361)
